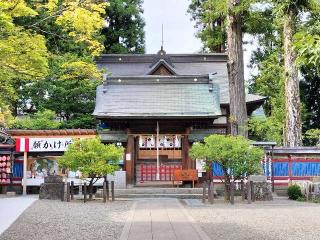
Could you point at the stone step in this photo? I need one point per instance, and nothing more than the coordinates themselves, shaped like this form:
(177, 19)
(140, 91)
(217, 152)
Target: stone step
(180, 193)
(11, 194)
(159, 195)
(144, 190)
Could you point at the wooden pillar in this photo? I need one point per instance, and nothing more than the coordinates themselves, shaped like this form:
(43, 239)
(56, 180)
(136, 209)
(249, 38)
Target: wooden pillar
(129, 159)
(290, 168)
(186, 160)
(24, 180)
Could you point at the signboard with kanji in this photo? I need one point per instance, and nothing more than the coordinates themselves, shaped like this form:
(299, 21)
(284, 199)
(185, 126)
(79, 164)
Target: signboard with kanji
(49, 144)
(43, 144)
(185, 175)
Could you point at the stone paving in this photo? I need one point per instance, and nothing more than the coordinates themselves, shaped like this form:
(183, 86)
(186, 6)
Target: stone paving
(161, 219)
(11, 208)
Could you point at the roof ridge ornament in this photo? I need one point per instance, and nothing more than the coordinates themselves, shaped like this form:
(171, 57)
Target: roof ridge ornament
(162, 52)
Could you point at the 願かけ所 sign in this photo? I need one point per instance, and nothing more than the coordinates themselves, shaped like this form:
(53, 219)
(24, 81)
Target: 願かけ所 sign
(43, 144)
(49, 144)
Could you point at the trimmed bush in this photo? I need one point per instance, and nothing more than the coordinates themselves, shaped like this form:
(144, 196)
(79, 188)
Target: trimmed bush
(294, 192)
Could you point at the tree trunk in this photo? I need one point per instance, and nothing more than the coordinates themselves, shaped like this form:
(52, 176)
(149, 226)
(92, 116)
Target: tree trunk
(227, 182)
(91, 188)
(293, 128)
(238, 108)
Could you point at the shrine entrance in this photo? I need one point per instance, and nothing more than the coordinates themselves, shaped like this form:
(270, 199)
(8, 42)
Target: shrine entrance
(158, 163)
(158, 155)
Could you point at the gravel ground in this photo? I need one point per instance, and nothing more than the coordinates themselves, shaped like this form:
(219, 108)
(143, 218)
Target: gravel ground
(57, 220)
(276, 220)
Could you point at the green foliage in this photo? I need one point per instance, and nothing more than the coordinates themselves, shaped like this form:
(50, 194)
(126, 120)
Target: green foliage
(80, 19)
(308, 53)
(301, 199)
(234, 154)
(45, 119)
(313, 135)
(266, 129)
(308, 48)
(91, 157)
(83, 121)
(307, 41)
(6, 118)
(294, 192)
(316, 200)
(22, 52)
(269, 82)
(210, 20)
(69, 90)
(125, 30)
(46, 57)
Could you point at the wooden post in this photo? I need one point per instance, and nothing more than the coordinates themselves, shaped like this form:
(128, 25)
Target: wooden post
(68, 192)
(290, 168)
(112, 191)
(129, 158)
(204, 192)
(62, 192)
(272, 171)
(104, 191)
(249, 192)
(253, 195)
(186, 160)
(84, 192)
(24, 180)
(72, 190)
(107, 189)
(80, 188)
(243, 193)
(232, 192)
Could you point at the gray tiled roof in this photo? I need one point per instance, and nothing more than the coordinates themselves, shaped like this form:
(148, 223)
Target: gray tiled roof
(182, 64)
(155, 96)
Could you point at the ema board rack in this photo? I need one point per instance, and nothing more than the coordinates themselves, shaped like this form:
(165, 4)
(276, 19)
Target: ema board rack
(5, 168)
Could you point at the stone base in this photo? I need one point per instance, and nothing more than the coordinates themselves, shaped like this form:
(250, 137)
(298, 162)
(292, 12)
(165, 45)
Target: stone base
(51, 191)
(262, 191)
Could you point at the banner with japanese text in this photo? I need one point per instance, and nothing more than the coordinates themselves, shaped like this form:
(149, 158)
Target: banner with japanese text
(42, 144)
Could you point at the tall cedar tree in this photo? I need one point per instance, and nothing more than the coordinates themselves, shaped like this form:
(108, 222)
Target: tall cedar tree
(293, 126)
(275, 46)
(220, 24)
(125, 30)
(288, 11)
(238, 107)
(216, 17)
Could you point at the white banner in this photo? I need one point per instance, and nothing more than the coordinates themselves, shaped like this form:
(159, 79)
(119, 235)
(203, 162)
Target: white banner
(164, 141)
(49, 144)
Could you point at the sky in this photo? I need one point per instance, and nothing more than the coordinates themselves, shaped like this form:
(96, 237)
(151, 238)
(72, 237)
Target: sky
(179, 32)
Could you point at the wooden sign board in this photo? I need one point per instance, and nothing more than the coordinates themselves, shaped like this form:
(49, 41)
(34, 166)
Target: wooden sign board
(185, 175)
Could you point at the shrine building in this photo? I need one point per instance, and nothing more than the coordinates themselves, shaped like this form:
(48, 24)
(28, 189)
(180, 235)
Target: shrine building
(157, 105)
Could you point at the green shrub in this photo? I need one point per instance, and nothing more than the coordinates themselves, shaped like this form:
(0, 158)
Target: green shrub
(294, 192)
(301, 199)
